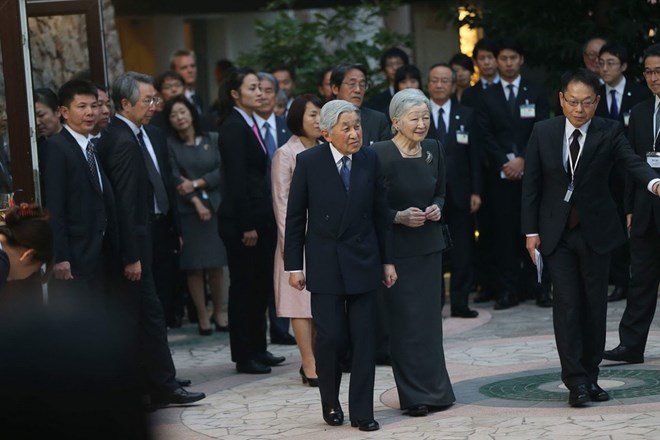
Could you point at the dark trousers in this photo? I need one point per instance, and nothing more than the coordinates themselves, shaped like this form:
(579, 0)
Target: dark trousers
(279, 327)
(643, 293)
(620, 260)
(461, 228)
(338, 318)
(166, 273)
(251, 283)
(579, 308)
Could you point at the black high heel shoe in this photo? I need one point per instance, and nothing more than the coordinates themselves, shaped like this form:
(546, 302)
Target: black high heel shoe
(218, 327)
(312, 382)
(205, 331)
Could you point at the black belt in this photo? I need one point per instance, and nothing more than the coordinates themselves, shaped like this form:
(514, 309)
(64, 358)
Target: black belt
(157, 217)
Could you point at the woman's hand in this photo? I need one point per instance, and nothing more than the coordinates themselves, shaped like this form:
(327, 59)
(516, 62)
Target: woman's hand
(433, 213)
(185, 187)
(203, 212)
(250, 238)
(411, 217)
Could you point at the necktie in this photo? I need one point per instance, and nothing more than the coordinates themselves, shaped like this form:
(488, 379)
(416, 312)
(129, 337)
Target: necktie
(442, 128)
(614, 108)
(255, 130)
(345, 172)
(574, 149)
(511, 99)
(91, 162)
(269, 140)
(657, 129)
(160, 194)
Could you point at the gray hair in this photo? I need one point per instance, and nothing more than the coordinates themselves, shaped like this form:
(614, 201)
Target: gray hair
(265, 76)
(332, 110)
(127, 86)
(405, 99)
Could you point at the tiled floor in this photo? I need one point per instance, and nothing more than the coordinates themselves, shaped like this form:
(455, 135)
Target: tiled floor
(503, 365)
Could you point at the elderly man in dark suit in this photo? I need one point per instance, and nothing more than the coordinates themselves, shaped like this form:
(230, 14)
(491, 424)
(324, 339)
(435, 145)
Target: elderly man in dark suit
(644, 222)
(569, 216)
(337, 212)
(125, 155)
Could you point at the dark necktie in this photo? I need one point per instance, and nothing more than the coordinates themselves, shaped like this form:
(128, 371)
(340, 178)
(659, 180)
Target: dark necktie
(614, 108)
(154, 177)
(345, 172)
(90, 152)
(511, 99)
(442, 128)
(574, 150)
(269, 140)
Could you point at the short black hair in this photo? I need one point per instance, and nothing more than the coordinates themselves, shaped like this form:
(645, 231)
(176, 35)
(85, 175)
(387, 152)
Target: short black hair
(294, 117)
(393, 52)
(168, 74)
(486, 45)
(509, 43)
(405, 72)
(321, 75)
(585, 76)
(460, 59)
(74, 87)
(291, 70)
(652, 51)
(339, 72)
(618, 50)
(223, 64)
(47, 97)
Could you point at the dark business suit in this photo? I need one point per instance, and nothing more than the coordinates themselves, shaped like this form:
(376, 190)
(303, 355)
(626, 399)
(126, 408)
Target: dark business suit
(633, 93)
(381, 102)
(500, 133)
(283, 132)
(463, 180)
(578, 258)
(346, 239)
(644, 238)
(375, 127)
(246, 206)
(82, 216)
(121, 157)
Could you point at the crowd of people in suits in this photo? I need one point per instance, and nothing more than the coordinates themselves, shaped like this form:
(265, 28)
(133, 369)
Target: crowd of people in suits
(334, 215)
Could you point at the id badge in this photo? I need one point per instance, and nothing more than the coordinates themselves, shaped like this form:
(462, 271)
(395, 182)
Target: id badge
(528, 111)
(626, 118)
(462, 137)
(653, 159)
(569, 193)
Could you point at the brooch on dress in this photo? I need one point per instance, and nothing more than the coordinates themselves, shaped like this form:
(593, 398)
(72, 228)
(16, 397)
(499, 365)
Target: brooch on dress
(206, 146)
(429, 157)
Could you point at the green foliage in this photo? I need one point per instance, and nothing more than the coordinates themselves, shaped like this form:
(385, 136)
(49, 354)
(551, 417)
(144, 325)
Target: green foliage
(330, 37)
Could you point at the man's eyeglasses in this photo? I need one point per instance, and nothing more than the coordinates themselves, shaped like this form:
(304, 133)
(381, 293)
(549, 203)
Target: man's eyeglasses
(586, 103)
(609, 64)
(648, 73)
(354, 85)
(152, 100)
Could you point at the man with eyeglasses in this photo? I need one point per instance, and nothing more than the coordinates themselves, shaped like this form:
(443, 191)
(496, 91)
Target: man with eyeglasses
(127, 154)
(617, 96)
(568, 215)
(590, 52)
(643, 213)
(505, 119)
(349, 82)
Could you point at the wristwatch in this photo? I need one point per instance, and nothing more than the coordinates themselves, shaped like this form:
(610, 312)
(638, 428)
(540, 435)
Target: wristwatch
(194, 184)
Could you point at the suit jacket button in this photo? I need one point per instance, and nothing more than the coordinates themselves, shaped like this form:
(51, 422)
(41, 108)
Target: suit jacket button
(327, 217)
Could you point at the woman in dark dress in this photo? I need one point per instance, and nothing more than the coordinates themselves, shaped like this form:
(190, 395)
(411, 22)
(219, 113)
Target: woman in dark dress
(414, 170)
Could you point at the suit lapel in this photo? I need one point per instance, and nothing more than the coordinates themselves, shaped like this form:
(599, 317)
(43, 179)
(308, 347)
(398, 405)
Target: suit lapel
(594, 135)
(77, 151)
(358, 184)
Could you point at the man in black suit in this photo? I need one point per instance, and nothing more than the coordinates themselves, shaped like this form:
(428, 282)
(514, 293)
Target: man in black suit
(569, 216)
(390, 60)
(122, 152)
(80, 201)
(644, 222)
(349, 82)
(484, 58)
(506, 116)
(617, 96)
(337, 213)
(452, 125)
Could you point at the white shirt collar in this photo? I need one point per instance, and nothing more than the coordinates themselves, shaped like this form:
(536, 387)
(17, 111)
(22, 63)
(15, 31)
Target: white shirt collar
(515, 82)
(619, 87)
(81, 139)
(569, 129)
(130, 123)
(247, 117)
(495, 80)
(271, 121)
(435, 108)
(336, 155)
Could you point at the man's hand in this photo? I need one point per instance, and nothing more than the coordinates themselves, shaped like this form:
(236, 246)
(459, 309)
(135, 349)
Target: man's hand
(297, 280)
(133, 271)
(62, 271)
(432, 213)
(250, 238)
(411, 217)
(389, 275)
(475, 203)
(532, 245)
(513, 169)
(628, 221)
(656, 188)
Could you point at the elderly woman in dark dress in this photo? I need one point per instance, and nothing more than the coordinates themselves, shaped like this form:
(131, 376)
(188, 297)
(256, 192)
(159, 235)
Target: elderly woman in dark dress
(414, 171)
(196, 167)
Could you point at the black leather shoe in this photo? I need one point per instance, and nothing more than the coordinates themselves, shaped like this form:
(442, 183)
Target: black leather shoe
(333, 415)
(270, 360)
(183, 382)
(252, 367)
(624, 354)
(544, 300)
(579, 395)
(417, 411)
(466, 313)
(506, 301)
(311, 381)
(182, 396)
(365, 425)
(286, 339)
(618, 294)
(598, 394)
(384, 359)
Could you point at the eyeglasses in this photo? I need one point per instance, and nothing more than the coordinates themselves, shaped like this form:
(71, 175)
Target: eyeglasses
(650, 72)
(586, 103)
(354, 85)
(441, 80)
(592, 55)
(152, 100)
(609, 64)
